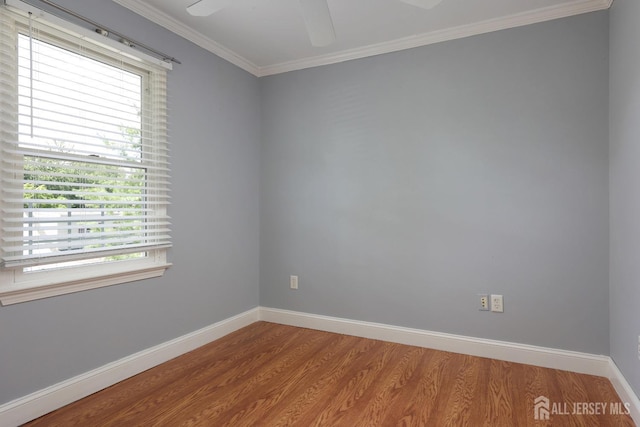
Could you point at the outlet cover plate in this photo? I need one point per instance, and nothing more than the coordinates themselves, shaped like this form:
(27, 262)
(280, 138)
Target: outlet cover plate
(497, 304)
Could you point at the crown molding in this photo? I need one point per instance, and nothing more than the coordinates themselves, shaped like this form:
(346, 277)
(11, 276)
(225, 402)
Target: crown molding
(576, 7)
(155, 15)
(512, 21)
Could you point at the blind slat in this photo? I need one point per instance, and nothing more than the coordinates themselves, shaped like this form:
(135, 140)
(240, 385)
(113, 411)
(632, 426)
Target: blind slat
(74, 225)
(35, 260)
(158, 165)
(86, 239)
(26, 223)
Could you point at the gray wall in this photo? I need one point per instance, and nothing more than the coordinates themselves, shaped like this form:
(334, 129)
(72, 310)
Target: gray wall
(215, 137)
(398, 187)
(624, 122)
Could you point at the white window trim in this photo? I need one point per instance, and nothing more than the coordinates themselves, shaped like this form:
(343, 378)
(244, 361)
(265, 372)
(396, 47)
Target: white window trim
(29, 292)
(17, 286)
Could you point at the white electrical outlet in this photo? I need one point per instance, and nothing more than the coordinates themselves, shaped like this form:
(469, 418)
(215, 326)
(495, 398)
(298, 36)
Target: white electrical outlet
(293, 282)
(484, 302)
(497, 305)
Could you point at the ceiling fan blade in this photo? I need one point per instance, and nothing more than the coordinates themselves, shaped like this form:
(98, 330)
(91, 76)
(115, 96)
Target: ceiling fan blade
(207, 7)
(317, 18)
(424, 4)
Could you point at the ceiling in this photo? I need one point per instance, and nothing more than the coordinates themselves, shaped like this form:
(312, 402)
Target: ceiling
(268, 36)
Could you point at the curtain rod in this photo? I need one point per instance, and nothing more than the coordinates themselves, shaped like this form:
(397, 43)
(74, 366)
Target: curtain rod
(105, 31)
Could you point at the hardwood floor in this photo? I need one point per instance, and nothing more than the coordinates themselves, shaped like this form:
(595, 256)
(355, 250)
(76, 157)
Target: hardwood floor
(275, 375)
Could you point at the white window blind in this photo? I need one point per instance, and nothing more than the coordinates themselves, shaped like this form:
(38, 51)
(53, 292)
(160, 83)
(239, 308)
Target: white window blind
(85, 160)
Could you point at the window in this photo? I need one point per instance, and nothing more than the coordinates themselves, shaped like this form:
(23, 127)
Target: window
(84, 170)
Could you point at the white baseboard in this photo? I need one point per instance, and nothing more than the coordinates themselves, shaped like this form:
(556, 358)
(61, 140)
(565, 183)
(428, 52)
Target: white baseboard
(624, 390)
(46, 400)
(583, 363)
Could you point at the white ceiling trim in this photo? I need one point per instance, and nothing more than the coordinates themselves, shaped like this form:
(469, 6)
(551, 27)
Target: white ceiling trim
(540, 15)
(159, 17)
(518, 20)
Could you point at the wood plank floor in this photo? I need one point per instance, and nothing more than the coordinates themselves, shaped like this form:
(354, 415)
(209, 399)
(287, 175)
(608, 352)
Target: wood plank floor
(275, 375)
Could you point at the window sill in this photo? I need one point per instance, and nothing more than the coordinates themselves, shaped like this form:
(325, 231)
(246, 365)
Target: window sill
(18, 294)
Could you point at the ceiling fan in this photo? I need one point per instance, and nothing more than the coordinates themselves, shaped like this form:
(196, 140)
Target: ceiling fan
(315, 13)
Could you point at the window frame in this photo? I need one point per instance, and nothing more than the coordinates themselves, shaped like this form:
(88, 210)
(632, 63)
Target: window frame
(16, 285)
